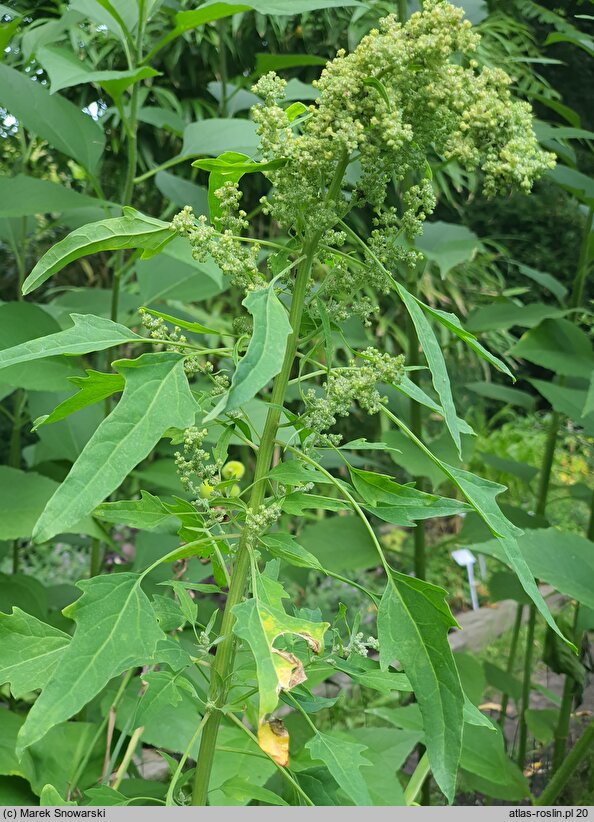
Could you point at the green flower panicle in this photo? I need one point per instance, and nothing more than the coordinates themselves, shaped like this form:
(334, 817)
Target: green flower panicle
(406, 93)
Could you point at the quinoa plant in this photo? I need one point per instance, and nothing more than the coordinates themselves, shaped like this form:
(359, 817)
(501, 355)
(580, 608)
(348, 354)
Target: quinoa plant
(408, 97)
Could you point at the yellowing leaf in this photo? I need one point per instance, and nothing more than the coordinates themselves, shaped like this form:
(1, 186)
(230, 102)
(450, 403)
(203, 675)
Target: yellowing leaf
(273, 738)
(260, 621)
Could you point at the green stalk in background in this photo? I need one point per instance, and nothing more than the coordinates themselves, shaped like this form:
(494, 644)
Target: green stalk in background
(567, 768)
(562, 730)
(510, 663)
(130, 124)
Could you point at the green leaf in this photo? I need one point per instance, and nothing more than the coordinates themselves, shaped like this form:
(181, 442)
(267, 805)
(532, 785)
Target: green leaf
(521, 470)
(509, 314)
(541, 549)
(19, 323)
(452, 323)
(436, 362)
(401, 504)
(502, 393)
(120, 19)
(25, 592)
(229, 168)
(387, 751)
(96, 386)
(65, 70)
(558, 345)
(407, 387)
(243, 791)
(195, 328)
(88, 334)
(211, 137)
(484, 758)
(29, 651)
(340, 543)
(413, 624)
(156, 397)
(543, 278)
(260, 621)
(286, 547)
(580, 185)
(371, 676)
(265, 353)
(291, 7)
(50, 798)
(175, 275)
(145, 513)
(266, 62)
(344, 760)
(568, 401)
(14, 791)
(481, 494)
(21, 196)
(23, 496)
(294, 472)
(182, 192)
(133, 230)
(116, 629)
(448, 245)
(161, 689)
(503, 681)
(542, 724)
(53, 118)
(296, 504)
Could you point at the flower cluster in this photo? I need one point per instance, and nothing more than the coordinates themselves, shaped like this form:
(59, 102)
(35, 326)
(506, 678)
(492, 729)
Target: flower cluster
(236, 259)
(405, 92)
(352, 384)
(258, 522)
(159, 330)
(194, 465)
(357, 645)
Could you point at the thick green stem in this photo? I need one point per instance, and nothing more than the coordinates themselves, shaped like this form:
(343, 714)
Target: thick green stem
(526, 682)
(510, 660)
(420, 556)
(223, 663)
(567, 769)
(222, 666)
(416, 425)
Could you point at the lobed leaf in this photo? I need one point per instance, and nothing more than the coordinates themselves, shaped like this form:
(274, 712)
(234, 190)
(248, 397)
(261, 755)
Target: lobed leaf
(29, 651)
(260, 621)
(413, 624)
(344, 760)
(88, 334)
(156, 397)
(265, 353)
(116, 629)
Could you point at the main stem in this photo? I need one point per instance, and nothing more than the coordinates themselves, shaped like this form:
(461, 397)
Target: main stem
(223, 662)
(420, 556)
